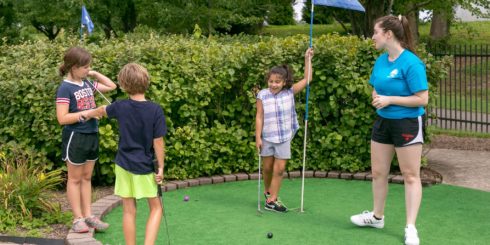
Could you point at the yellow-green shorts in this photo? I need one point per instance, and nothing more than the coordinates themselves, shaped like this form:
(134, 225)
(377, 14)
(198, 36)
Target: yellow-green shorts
(129, 185)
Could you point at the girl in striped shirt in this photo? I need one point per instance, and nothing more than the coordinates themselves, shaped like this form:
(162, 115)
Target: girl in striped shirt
(276, 123)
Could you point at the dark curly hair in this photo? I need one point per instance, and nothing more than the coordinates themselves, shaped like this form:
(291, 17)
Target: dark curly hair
(286, 73)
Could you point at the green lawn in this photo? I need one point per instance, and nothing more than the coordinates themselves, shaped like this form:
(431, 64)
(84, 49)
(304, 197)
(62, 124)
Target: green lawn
(480, 102)
(290, 30)
(476, 67)
(461, 33)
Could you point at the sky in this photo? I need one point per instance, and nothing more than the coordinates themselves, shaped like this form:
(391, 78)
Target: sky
(297, 10)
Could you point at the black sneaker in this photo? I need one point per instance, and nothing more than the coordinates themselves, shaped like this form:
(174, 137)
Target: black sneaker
(276, 206)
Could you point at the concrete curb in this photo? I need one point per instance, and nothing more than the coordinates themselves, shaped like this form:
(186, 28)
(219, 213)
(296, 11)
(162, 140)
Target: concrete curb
(104, 205)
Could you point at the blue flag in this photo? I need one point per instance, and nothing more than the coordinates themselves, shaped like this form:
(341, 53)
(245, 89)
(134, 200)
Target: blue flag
(345, 4)
(86, 21)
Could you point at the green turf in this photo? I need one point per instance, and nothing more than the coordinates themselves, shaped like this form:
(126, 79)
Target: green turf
(226, 214)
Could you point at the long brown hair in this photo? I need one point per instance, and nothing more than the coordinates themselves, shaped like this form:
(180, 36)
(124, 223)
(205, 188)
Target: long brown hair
(400, 28)
(74, 56)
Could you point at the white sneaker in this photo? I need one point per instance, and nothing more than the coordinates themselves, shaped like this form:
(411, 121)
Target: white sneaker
(366, 218)
(411, 235)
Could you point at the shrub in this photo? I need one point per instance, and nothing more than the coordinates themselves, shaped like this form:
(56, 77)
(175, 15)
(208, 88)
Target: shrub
(207, 89)
(25, 197)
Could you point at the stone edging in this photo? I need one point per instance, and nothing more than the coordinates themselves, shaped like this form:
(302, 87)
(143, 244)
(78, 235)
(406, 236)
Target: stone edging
(104, 205)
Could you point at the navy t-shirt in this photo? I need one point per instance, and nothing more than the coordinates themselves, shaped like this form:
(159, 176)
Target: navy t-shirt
(79, 97)
(139, 123)
(404, 76)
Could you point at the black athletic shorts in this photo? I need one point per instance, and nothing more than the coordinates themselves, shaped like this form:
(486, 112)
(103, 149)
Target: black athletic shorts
(399, 132)
(77, 148)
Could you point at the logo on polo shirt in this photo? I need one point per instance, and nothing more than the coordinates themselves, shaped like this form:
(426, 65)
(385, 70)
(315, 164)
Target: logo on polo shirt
(393, 73)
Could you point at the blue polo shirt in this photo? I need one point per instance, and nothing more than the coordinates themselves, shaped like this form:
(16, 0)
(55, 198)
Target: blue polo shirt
(139, 123)
(404, 76)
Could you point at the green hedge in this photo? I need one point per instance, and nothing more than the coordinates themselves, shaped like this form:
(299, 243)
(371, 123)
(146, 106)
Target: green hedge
(207, 88)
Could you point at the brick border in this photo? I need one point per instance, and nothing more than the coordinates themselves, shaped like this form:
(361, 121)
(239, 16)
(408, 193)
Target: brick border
(104, 205)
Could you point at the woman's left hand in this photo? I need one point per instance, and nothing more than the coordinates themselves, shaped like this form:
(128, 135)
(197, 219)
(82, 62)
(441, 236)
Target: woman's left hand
(380, 101)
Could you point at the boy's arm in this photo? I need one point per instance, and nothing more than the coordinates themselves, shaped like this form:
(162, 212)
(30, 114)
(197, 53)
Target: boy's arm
(159, 147)
(297, 87)
(95, 113)
(105, 83)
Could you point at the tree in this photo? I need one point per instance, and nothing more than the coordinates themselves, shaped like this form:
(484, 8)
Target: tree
(8, 22)
(442, 13)
(410, 9)
(115, 16)
(322, 15)
(362, 24)
(222, 16)
(280, 12)
(49, 16)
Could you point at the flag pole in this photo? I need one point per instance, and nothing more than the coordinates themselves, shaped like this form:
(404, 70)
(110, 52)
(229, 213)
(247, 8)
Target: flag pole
(306, 110)
(81, 24)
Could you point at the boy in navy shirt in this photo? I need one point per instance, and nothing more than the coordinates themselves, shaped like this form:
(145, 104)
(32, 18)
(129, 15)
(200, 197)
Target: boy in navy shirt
(141, 131)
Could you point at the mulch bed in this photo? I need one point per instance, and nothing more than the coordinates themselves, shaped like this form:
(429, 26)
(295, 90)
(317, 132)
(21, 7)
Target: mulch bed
(459, 143)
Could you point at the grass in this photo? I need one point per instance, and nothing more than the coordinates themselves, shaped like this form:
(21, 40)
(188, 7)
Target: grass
(458, 133)
(458, 101)
(478, 67)
(227, 214)
(291, 30)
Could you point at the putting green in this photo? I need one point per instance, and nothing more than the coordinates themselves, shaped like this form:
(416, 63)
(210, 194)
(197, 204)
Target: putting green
(227, 214)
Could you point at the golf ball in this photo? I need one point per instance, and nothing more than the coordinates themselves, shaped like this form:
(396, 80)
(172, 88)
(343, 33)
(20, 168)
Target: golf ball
(186, 198)
(269, 235)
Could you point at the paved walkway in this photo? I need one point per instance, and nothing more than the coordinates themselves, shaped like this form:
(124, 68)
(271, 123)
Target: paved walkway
(462, 168)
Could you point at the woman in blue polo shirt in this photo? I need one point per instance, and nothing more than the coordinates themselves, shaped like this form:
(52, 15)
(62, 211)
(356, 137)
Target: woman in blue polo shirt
(400, 92)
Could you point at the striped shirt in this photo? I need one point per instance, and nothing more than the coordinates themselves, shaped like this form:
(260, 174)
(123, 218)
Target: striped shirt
(280, 118)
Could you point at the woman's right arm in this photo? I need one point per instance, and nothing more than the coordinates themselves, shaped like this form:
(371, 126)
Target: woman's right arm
(259, 123)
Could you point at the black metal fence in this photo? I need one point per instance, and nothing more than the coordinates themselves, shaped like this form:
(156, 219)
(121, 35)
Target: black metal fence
(463, 102)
